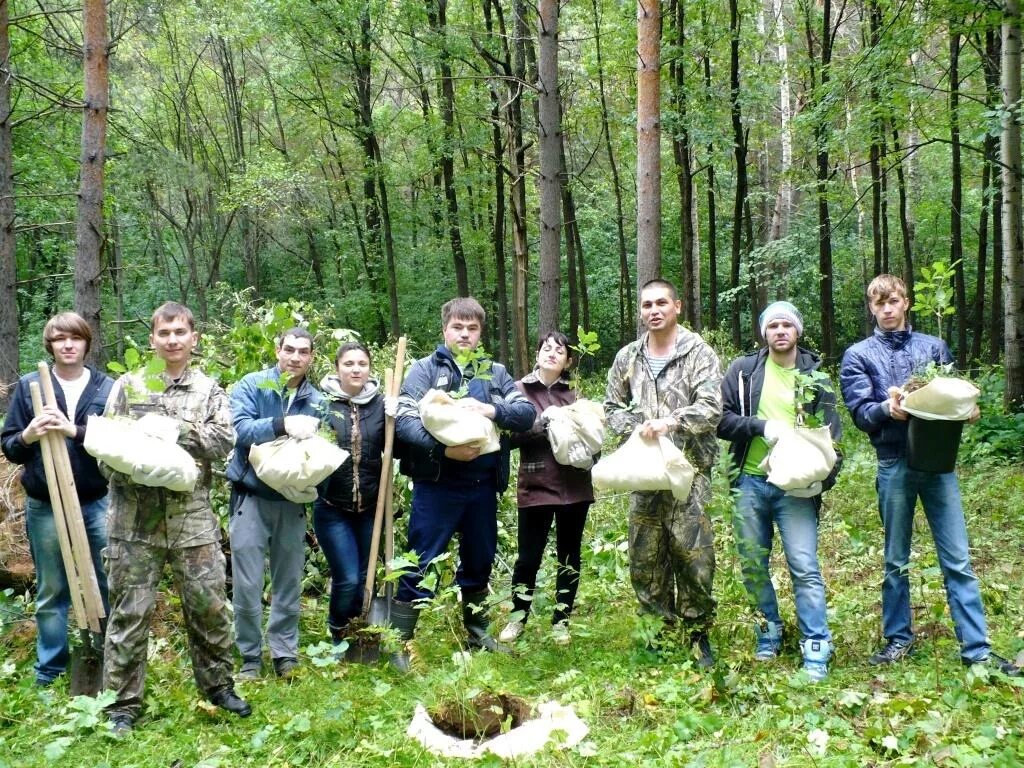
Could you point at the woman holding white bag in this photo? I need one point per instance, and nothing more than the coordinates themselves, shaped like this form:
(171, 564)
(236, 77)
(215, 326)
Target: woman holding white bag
(548, 492)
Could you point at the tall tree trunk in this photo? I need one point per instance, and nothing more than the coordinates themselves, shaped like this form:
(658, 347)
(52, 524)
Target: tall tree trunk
(439, 20)
(648, 145)
(875, 151)
(1013, 245)
(549, 132)
(517, 170)
(989, 174)
(739, 146)
(956, 237)
(9, 362)
(626, 317)
(712, 217)
(498, 225)
(682, 154)
(783, 209)
(822, 130)
(89, 229)
(906, 223)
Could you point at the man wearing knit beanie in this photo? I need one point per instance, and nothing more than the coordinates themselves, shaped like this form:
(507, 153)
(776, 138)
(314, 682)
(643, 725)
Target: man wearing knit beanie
(758, 405)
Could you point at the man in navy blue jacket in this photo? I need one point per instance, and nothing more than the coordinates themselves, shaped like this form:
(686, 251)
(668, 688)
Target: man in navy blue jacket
(871, 372)
(81, 392)
(266, 405)
(455, 489)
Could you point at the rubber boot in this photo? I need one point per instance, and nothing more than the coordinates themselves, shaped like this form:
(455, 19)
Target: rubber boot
(403, 619)
(474, 618)
(816, 655)
(769, 639)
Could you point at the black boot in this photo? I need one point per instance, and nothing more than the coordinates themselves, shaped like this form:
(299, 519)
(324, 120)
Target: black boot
(474, 618)
(403, 619)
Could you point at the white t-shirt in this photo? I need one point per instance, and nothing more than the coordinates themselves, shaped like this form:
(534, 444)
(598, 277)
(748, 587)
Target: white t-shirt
(73, 391)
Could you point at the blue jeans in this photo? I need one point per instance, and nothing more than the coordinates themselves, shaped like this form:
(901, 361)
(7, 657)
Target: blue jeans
(759, 506)
(344, 538)
(899, 487)
(439, 511)
(53, 597)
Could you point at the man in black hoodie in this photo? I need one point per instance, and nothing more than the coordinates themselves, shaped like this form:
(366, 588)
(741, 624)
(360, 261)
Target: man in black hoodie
(81, 392)
(758, 405)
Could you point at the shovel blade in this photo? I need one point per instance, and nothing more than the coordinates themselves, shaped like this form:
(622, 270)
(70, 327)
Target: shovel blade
(380, 612)
(87, 665)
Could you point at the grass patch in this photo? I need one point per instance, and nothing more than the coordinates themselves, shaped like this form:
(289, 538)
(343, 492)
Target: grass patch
(643, 710)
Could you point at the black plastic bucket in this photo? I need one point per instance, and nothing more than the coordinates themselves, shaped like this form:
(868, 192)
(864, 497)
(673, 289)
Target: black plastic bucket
(932, 446)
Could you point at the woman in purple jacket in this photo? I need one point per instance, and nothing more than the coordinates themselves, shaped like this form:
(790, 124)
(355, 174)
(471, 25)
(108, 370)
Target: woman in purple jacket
(548, 491)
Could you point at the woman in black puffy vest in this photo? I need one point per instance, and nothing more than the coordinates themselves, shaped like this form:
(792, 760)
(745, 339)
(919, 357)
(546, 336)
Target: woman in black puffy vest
(343, 513)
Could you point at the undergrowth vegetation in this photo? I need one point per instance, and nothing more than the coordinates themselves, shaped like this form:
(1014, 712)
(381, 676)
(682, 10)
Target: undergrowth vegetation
(642, 709)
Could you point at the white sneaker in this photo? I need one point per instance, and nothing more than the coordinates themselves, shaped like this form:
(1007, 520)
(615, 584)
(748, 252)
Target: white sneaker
(560, 633)
(511, 632)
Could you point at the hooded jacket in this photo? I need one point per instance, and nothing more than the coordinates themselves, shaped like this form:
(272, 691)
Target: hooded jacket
(741, 396)
(257, 413)
(358, 424)
(885, 359)
(89, 482)
(542, 480)
(421, 455)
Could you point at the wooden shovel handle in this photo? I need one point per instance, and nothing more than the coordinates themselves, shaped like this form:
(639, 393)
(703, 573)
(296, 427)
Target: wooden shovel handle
(392, 386)
(53, 487)
(71, 515)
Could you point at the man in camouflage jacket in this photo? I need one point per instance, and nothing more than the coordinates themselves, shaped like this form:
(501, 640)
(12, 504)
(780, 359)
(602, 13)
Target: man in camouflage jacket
(150, 526)
(668, 383)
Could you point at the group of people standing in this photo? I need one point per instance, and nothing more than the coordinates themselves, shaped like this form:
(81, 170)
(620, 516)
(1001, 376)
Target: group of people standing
(668, 383)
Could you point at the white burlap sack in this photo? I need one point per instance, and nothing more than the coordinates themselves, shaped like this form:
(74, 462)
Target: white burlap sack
(645, 465)
(575, 432)
(138, 448)
(554, 723)
(294, 467)
(800, 457)
(943, 398)
(453, 424)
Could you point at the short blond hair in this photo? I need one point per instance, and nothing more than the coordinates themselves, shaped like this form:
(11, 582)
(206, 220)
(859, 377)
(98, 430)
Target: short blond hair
(883, 286)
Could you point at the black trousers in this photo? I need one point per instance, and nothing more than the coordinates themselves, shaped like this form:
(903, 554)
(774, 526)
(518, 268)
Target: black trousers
(534, 526)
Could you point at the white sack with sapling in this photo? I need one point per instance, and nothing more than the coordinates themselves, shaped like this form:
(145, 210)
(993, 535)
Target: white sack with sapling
(146, 450)
(800, 458)
(451, 423)
(575, 432)
(295, 467)
(943, 398)
(645, 465)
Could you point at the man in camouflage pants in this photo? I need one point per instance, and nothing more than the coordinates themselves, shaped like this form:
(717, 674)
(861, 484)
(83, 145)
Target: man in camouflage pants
(668, 383)
(151, 525)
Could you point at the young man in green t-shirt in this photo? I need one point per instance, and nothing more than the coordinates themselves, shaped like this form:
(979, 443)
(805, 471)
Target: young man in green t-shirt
(758, 405)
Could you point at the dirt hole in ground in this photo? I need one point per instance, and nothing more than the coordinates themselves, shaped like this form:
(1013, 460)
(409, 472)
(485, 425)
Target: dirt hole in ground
(482, 716)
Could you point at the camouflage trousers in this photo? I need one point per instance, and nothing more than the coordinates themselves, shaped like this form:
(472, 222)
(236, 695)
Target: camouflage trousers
(134, 569)
(672, 554)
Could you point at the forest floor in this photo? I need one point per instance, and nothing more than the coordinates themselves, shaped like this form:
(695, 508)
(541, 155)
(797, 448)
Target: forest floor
(642, 709)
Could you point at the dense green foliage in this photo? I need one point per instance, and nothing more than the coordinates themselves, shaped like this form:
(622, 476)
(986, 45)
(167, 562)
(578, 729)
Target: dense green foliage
(238, 153)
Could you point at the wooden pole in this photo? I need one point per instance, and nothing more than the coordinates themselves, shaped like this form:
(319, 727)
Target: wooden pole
(72, 512)
(45, 445)
(392, 386)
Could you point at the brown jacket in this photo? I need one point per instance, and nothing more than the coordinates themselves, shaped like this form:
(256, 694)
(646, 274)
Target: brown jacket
(542, 480)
